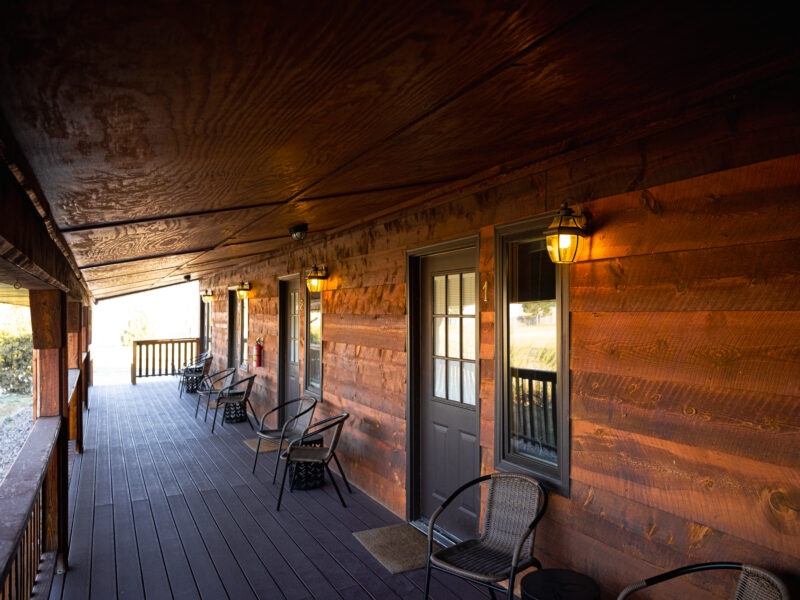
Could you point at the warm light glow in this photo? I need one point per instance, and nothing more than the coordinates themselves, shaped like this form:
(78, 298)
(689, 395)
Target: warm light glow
(315, 278)
(242, 290)
(207, 296)
(565, 235)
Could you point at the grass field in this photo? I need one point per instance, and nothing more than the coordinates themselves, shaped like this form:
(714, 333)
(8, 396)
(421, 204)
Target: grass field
(11, 403)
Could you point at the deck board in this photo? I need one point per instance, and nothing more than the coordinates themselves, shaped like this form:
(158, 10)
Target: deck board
(160, 508)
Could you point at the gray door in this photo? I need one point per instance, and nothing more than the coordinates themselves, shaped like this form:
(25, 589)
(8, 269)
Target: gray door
(289, 343)
(449, 454)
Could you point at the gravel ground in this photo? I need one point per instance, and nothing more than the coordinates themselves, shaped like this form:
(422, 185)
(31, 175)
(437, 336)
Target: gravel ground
(14, 431)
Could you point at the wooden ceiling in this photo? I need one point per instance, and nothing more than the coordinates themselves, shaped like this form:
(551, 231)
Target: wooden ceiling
(177, 138)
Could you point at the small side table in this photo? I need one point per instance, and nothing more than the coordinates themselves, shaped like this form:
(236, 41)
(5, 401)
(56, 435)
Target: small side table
(558, 584)
(309, 475)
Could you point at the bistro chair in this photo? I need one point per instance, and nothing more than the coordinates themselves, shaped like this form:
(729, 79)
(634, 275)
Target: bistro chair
(294, 427)
(211, 387)
(190, 364)
(322, 455)
(754, 583)
(237, 394)
(514, 506)
(192, 375)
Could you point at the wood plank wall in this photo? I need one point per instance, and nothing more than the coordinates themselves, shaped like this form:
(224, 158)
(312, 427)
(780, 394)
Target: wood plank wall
(685, 329)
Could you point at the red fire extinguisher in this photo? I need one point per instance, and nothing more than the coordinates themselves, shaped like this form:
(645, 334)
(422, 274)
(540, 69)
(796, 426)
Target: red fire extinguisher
(257, 354)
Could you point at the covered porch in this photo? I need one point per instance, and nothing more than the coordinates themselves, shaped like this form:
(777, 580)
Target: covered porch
(160, 508)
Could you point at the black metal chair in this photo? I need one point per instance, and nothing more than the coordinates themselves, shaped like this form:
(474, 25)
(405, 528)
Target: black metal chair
(754, 583)
(294, 427)
(298, 453)
(235, 394)
(514, 506)
(211, 387)
(192, 375)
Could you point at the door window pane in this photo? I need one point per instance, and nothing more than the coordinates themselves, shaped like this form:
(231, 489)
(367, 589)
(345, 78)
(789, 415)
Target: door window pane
(439, 302)
(439, 336)
(468, 294)
(468, 382)
(453, 335)
(454, 380)
(439, 378)
(468, 339)
(454, 294)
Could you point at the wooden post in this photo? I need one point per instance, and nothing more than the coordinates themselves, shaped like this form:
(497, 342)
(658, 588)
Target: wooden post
(74, 361)
(49, 329)
(133, 364)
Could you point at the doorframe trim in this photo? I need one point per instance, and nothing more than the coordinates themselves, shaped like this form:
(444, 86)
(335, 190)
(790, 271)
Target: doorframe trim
(414, 258)
(283, 281)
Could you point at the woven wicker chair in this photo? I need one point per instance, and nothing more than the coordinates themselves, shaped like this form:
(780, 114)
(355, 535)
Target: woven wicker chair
(295, 426)
(754, 583)
(211, 386)
(235, 393)
(297, 453)
(514, 505)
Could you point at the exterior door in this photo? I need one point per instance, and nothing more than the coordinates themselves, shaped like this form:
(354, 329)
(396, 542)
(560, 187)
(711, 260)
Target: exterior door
(232, 328)
(448, 347)
(289, 342)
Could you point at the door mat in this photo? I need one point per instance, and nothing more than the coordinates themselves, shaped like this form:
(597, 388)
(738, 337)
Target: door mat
(399, 547)
(265, 446)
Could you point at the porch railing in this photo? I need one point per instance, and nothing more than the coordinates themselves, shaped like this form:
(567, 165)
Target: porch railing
(161, 357)
(27, 550)
(533, 410)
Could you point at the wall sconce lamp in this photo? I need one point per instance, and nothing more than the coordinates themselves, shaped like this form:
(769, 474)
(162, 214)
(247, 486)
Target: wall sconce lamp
(207, 296)
(316, 275)
(564, 237)
(242, 289)
(298, 232)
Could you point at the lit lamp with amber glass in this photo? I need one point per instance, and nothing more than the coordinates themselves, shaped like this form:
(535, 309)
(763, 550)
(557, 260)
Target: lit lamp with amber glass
(242, 289)
(564, 238)
(207, 296)
(316, 275)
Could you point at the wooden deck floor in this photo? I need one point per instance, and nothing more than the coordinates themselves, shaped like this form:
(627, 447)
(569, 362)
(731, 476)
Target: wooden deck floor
(160, 508)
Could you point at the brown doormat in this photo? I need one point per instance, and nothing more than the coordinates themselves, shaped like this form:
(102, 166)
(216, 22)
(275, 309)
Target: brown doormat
(399, 547)
(265, 446)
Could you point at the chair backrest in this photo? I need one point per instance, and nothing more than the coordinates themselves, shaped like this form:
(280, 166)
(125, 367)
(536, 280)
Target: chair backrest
(334, 423)
(754, 583)
(220, 379)
(236, 388)
(302, 415)
(759, 584)
(207, 364)
(513, 503)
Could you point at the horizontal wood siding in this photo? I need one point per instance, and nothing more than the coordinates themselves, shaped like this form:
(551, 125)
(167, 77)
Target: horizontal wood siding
(685, 342)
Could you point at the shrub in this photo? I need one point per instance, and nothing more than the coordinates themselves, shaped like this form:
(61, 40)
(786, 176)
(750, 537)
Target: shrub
(16, 363)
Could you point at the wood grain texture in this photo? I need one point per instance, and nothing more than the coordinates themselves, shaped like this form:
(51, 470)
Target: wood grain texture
(745, 350)
(762, 276)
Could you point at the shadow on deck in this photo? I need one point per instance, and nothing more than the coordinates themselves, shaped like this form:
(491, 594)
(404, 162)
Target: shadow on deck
(160, 508)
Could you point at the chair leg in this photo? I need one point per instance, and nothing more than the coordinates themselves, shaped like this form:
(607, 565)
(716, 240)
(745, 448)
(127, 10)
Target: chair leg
(427, 577)
(336, 487)
(292, 481)
(511, 578)
(492, 594)
(247, 415)
(206, 415)
(255, 460)
(197, 408)
(277, 459)
(283, 483)
(344, 477)
(214, 421)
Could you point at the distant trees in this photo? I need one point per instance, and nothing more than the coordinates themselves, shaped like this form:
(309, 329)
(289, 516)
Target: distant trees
(138, 328)
(16, 351)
